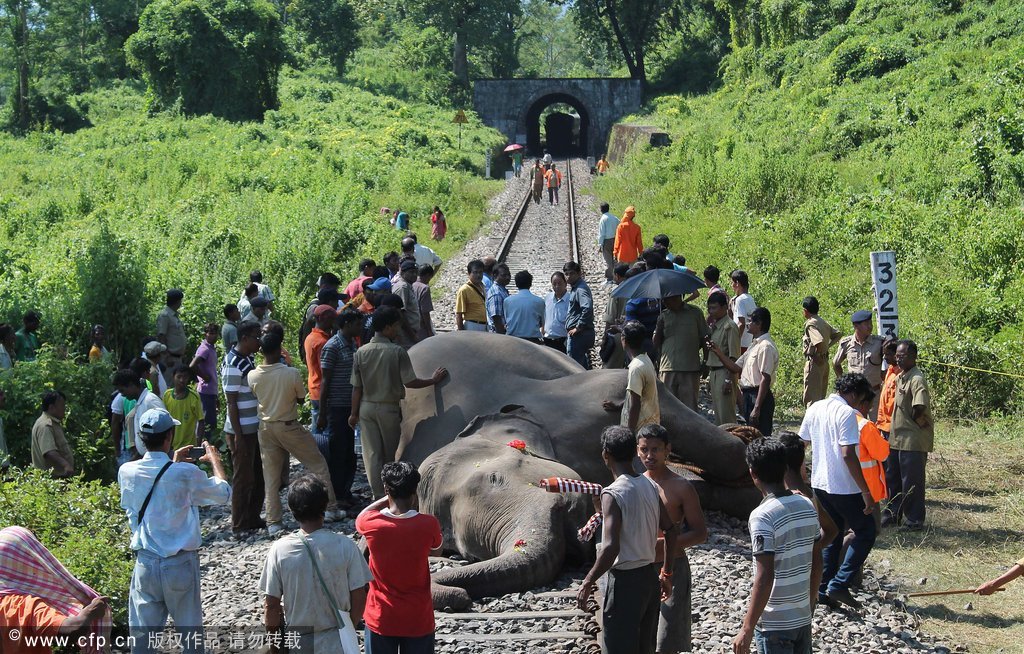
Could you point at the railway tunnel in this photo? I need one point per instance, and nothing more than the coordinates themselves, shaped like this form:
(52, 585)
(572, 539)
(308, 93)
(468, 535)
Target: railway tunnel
(568, 116)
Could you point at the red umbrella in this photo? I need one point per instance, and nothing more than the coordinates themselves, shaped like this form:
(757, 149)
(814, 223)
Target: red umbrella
(513, 147)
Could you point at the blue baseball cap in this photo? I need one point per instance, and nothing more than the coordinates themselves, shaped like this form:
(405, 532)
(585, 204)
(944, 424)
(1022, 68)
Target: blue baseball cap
(860, 316)
(380, 284)
(156, 421)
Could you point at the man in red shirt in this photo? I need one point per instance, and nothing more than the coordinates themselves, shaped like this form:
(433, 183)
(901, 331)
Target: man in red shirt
(325, 316)
(399, 613)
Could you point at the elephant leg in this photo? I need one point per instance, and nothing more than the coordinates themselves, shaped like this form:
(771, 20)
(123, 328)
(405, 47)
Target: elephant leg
(513, 571)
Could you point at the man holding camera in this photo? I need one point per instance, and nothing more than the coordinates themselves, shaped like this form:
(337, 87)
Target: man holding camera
(161, 496)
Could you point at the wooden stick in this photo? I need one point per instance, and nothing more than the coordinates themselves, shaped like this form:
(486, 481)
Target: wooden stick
(960, 591)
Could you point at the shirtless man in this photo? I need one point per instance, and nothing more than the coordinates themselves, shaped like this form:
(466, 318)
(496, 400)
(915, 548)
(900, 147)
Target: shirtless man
(680, 498)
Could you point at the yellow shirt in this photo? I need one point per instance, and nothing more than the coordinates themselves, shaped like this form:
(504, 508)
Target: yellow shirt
(47, 436)
(278, 389)
(761, 359)
(469, 301)
(642, 380)
(188, 412)
(727, 336)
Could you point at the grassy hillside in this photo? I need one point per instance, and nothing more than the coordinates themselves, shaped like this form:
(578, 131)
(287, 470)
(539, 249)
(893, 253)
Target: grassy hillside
(898, 126)
(197, 203)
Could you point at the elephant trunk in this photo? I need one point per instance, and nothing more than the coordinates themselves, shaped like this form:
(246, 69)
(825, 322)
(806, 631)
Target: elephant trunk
(535, 561)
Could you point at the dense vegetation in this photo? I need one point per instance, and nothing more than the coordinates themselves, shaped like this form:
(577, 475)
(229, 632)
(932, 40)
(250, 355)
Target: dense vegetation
(847, 127)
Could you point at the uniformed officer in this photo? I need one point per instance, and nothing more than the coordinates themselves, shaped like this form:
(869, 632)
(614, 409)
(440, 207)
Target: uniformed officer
(862, 352)
(819, 336)
(381, 371)
(722, 383)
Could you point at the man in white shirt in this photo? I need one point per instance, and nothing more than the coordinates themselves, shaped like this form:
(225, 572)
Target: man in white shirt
(742, 306)
(606, 240)
(556, 308)
(131, 387)
(161, 497)
(524, 311)
(831, 426)
(757, 368)
(424, 255)
(262, 290)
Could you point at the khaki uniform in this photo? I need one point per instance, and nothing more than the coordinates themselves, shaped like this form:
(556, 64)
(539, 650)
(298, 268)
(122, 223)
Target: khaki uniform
(909, 445)
(169, 325)
(278, 388)
(816, 332)
(381, 369)
(47, 436)
(682, 337)
(726, 335)
(864, 358)
(410, 311)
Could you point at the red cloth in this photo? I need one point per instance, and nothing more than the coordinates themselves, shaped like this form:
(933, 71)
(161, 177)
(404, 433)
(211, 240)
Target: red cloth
(399, 602)
(33, 617)
(439, 226)
(314, 345)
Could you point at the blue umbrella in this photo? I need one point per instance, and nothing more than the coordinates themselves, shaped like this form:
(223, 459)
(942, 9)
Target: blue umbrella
(659, 283)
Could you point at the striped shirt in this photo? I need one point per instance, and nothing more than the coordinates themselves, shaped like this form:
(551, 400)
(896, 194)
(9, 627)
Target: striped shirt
(495, 304)
(235, 376)
(786, 527)
(336, 360)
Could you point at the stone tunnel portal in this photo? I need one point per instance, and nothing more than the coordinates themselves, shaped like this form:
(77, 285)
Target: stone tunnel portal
(563, 133)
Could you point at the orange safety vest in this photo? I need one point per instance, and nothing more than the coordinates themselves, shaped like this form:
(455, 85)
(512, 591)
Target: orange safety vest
(554, 177)
(872, 451)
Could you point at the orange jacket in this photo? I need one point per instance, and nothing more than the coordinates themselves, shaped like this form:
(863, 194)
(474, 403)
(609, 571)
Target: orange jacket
(873, 450)
(629, 242)
(887, 398)
(554, 178)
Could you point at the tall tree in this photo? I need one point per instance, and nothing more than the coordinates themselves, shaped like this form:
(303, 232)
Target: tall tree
(16, 13)
(631, 24)
(471, 23)
(329, 26)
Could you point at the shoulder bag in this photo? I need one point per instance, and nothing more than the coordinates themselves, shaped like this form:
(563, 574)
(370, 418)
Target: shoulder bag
(346, 629)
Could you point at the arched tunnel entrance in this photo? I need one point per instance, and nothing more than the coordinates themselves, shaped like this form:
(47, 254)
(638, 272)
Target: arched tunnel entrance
(558, 123)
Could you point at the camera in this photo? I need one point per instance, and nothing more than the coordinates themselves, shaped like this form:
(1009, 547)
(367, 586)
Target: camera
(194, 453)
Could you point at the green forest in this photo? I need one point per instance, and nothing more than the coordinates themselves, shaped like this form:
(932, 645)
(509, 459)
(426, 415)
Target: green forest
(149, 144)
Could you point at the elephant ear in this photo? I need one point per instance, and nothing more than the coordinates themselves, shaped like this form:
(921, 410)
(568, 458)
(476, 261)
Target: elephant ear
(513, 423)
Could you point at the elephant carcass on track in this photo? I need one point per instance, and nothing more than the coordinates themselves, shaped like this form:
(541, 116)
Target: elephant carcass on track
(493, 512)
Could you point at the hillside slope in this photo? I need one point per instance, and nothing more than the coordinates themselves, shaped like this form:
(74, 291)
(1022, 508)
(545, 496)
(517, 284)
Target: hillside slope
(900, 126)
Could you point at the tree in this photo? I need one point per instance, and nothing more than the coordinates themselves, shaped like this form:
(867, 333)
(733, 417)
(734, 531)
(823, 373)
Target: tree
(633, 25)
(471, 23)
(329, 26)
(16, 14)
(210, 56)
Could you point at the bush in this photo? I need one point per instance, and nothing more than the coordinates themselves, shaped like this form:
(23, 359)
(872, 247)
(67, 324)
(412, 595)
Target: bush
(51, 113)
(220, 57)
(862, 56)
(87, 388)
(81, 523)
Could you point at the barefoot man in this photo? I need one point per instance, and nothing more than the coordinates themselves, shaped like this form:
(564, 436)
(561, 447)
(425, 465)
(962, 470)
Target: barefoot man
(680, 498)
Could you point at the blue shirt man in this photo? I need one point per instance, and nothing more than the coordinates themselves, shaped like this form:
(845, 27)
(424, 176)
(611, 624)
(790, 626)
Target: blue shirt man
(495, 303)
(524, 311)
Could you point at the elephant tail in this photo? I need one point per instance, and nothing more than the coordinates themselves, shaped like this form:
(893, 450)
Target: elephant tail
(515, 570)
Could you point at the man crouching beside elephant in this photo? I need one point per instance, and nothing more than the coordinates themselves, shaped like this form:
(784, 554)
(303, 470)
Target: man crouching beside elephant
(632, 512)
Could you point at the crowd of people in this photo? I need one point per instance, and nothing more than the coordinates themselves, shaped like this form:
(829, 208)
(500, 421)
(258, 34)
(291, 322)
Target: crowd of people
(869, 443)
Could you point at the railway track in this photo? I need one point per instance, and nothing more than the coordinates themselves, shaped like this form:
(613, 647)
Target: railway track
(540, 238)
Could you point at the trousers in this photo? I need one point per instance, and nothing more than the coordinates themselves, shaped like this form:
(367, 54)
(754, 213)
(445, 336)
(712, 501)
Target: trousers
(815, 381)
(784, 641)
(766, 421)
(723, 402)
(209, 401)
(277, 441)
(380, 429)
(374, 643)
(162, 587)
(904, 478)
(247, 489)
(684, 385)
(607, 252)
(847, 511)
(578, 347)
(338, 445)
(675, 621)
(632, 603)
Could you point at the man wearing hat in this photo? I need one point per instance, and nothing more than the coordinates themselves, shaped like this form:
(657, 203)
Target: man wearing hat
(171, 332)
(407, 272)
(325, 316)
(156, 353)
(862, 352)
(819, 336)
(161, 493)
(258, 315)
